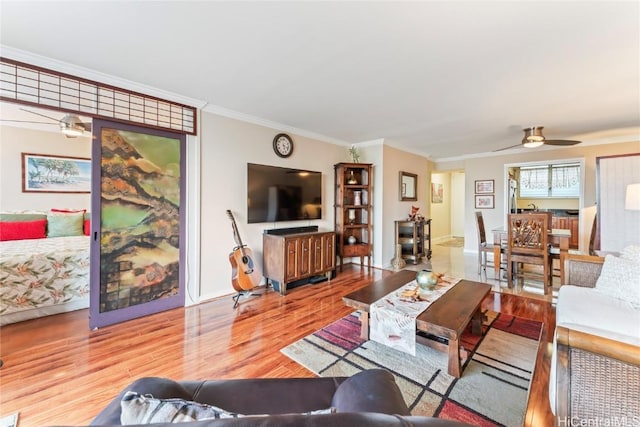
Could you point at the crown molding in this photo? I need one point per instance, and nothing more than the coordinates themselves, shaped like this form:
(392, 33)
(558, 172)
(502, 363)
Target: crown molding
(89, 74)
(232, 114)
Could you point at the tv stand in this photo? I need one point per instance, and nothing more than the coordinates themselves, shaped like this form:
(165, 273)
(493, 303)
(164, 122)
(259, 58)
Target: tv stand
(298, 257)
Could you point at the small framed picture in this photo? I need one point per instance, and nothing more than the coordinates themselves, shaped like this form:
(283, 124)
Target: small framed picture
(484, 186)
(484, 202)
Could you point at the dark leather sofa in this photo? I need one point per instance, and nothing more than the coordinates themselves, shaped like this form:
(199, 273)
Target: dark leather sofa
(369, 398)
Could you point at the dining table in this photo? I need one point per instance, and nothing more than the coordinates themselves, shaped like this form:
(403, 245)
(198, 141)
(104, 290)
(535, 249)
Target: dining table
(558, 237)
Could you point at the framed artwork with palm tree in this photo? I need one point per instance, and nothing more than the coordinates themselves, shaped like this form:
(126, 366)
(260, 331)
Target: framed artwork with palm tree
(48, 173)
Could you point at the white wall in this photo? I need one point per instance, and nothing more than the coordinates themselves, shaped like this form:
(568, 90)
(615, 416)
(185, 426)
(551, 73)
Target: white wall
(394, 161)
(13, 142)
(457, 204)
(227, 145)
(441, 212)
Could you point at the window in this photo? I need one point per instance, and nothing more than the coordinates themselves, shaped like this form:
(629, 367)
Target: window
(562, 180)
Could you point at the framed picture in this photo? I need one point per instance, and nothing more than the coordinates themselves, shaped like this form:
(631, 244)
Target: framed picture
(48, 173)
(484, 186)
(408, 186)
(437, 192)
(485, 202)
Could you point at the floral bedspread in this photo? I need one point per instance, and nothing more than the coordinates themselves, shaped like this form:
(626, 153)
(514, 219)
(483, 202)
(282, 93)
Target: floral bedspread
(43, 272)
(393, 317)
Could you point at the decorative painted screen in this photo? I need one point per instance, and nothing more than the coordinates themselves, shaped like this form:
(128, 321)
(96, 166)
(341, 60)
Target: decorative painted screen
(137, 249)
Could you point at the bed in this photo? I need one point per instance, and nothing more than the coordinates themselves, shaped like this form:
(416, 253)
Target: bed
(41, 277)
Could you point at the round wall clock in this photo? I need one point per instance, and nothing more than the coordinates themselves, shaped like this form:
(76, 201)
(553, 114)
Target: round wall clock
(283, 145)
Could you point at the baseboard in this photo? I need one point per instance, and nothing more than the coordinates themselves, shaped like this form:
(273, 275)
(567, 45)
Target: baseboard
(441, 239)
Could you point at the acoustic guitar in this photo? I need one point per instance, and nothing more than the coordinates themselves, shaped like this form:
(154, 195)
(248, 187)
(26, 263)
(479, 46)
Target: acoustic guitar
(245, 274)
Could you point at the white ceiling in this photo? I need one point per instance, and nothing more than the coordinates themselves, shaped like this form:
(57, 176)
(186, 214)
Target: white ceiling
(439, 78)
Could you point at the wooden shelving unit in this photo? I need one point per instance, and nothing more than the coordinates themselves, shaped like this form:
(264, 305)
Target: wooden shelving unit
(414, 238)
(353, 216)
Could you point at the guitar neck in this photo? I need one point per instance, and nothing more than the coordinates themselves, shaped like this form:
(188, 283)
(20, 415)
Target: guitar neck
(236, 234)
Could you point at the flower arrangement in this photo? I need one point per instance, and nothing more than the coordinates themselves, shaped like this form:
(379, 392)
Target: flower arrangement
(355, 154)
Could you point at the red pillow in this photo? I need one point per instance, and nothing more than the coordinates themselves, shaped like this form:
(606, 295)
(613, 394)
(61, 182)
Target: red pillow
(68, 210)
(21, 230)
(87, 227)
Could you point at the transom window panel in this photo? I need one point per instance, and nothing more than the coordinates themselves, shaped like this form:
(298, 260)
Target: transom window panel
(561, 180)
(31, 85)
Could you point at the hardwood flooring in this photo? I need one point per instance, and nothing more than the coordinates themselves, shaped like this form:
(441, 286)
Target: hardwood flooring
(57, 371)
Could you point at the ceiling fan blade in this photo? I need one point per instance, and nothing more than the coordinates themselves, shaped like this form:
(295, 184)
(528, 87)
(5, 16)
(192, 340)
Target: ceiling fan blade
(565, 142)
(42, 115)
(506, 148)
(26, 121)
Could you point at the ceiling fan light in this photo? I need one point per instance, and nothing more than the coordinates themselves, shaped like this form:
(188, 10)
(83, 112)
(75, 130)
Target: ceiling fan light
(532, 143)
(534, 134)
(71, 126)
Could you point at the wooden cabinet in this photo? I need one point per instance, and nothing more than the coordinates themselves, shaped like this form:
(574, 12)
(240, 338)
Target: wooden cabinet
(353, 216)
(414, 238)
(568, 223)
(292, 257)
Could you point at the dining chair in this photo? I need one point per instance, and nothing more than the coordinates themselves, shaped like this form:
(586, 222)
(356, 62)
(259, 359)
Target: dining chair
(485, 247)
(528, 243)
(591, 250)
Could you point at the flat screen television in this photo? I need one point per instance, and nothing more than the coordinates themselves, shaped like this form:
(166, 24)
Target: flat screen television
(282, 194)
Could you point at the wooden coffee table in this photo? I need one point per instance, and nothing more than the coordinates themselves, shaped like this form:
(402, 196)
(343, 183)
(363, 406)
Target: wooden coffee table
(446, 318)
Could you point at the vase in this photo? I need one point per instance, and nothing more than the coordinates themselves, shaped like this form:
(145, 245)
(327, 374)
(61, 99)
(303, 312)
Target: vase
(427, 279)
(398, 262)
(352, 179)
(356, 198)
(351, 240)
(352, 216)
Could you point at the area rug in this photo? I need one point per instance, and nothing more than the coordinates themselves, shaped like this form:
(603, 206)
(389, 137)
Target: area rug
(9, 420)
(456, 242)
(495, 381)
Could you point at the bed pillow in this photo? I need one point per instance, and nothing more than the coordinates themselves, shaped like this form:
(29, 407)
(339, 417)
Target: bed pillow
(13, 217)
(619, 279)
(86, 227)
(22, 230)
(62, 224)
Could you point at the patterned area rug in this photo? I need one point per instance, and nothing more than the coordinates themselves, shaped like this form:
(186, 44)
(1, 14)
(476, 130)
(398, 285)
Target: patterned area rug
(493, 388)
(456, 242)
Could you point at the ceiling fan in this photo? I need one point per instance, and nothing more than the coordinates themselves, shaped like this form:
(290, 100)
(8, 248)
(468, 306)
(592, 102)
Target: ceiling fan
(533, 138)
(70, 125)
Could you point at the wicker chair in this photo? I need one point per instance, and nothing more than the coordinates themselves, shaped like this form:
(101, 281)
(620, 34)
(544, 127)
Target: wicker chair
(596, 377)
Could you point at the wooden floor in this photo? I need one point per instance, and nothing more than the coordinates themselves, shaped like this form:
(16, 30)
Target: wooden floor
(56, 371)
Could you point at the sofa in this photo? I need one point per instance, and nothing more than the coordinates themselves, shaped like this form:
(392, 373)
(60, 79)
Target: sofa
(595, 367)
(370, 398)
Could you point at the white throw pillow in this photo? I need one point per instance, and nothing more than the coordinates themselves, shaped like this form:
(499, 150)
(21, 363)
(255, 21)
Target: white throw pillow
(620, 278)
(631, 253)
(145, 409)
